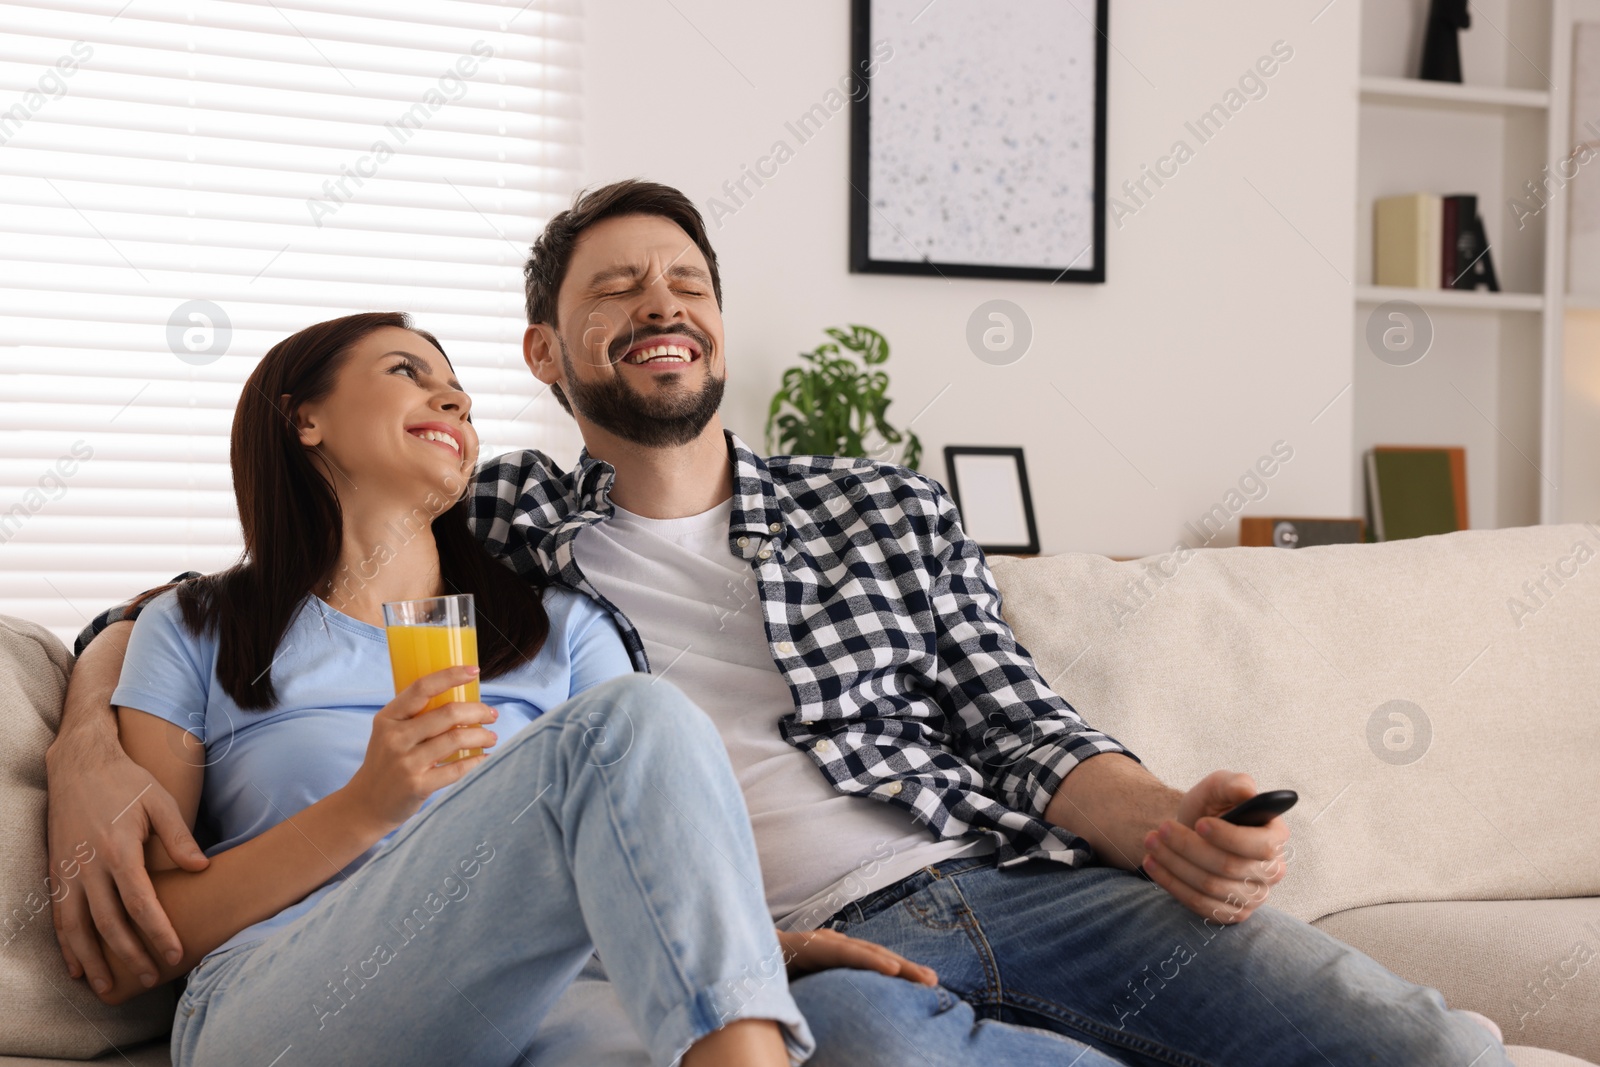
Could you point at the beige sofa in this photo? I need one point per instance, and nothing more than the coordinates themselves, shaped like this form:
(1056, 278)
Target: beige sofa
(1439, 717)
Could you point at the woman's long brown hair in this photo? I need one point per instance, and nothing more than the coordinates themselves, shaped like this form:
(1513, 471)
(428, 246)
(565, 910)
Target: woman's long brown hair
(293, 528)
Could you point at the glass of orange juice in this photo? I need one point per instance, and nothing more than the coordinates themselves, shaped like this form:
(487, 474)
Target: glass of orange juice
(429, 635)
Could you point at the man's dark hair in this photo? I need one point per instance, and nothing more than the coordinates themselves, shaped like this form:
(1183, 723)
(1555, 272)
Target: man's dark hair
(552, 250)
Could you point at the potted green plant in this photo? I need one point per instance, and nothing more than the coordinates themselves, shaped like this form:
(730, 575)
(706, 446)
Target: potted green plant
(832, 405)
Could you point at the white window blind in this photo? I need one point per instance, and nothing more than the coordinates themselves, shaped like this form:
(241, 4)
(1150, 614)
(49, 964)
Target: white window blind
(183, 183)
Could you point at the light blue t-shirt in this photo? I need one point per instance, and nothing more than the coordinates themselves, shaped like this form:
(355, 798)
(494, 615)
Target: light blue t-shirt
(332, 675)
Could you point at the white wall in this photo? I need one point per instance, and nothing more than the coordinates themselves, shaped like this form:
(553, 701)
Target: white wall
(1225, 324)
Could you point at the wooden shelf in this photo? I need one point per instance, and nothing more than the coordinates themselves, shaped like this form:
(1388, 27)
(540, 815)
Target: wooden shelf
(1414, 92)
(1469, 300)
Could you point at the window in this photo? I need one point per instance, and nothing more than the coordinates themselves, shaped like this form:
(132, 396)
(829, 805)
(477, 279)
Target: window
(183, 183)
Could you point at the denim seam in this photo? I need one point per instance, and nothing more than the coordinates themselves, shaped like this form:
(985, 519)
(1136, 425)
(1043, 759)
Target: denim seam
(876, 902)
(687, 1023)
(1067, 1016)
(882, 899)
(687, 992)
(695, 1014)
(980, 942)
(1093, 1028)
(189, 1025)
(956, 868)
(195, 992)
(920, 915)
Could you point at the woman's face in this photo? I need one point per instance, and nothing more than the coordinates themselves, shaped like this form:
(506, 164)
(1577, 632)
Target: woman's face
(395, 425)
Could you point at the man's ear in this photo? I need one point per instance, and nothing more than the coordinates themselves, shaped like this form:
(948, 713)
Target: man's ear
(541, 352)
(310, 432)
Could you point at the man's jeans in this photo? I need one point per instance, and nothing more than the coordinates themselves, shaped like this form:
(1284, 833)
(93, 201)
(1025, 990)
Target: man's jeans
(859, 1019)
(613, 822)
(1112, 960)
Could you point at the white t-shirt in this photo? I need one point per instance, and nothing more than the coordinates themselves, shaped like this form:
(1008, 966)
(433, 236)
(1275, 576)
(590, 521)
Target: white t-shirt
(698, 608)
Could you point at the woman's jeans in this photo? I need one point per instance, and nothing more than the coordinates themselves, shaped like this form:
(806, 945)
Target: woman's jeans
(613, 823)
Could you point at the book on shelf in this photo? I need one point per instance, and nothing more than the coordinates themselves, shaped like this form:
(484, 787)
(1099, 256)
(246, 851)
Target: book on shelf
(1407, 236)
(1426, 241)
(1285, 532)
(1468, 262)
(1416, 491)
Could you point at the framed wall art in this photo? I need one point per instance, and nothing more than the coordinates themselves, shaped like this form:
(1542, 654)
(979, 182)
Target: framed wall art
(978, 146)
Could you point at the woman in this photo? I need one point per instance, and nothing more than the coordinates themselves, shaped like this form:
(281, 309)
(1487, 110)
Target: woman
(364, 901)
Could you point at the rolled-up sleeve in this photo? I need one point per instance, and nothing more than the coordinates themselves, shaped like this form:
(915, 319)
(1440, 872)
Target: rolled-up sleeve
(1024, 737)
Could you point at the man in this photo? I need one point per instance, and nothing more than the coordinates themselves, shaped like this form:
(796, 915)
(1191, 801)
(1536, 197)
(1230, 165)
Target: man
(911, 779)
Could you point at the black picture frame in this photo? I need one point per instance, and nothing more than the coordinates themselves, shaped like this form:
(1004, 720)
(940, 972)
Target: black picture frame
(861, 206)
(952, 452)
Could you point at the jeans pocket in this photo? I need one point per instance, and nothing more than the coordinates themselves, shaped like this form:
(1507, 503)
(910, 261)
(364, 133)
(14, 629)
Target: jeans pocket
(938, 906)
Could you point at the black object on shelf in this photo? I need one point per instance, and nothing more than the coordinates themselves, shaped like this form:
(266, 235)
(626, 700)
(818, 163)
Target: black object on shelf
(1468, 263)
(1441, 48)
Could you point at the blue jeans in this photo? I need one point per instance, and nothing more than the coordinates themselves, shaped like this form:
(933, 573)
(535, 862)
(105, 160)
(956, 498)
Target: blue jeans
(1110, 959)
(613, 822)
(859, 1019)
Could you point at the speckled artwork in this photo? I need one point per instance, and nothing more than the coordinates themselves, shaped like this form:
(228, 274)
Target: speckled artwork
(982, 137)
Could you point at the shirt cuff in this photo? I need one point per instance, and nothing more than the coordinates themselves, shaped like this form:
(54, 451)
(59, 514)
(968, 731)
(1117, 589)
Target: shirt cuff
(1042, 768)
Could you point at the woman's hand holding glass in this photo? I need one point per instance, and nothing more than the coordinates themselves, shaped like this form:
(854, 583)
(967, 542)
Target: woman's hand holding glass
(403, 764)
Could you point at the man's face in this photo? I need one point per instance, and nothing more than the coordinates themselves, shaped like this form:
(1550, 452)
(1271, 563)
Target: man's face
(639, 333)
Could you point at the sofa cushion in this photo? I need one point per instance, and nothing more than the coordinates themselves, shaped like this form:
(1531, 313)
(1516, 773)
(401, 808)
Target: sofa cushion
(153, 1054)
(1533, 966)
(1522, 1056)
(45, 1012)
(1434, 707)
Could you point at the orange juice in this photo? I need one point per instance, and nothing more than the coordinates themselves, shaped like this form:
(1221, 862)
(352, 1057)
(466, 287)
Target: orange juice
(418, 650)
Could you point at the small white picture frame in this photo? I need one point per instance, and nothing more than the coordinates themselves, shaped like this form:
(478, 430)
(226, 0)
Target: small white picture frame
(990, 488)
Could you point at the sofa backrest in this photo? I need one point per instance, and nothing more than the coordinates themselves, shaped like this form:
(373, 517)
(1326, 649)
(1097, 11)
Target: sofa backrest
(1435, 702)
(45, 1012)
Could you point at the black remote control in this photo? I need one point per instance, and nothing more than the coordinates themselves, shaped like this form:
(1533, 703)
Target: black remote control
(1262, 808)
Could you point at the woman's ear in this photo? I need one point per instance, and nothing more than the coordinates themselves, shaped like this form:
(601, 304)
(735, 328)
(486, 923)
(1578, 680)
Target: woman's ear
(310, 434)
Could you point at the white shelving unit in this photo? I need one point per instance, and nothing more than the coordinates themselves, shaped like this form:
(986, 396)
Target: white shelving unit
(1412, 91)
(1572, 328)
(1480, 300)
(1492, 380)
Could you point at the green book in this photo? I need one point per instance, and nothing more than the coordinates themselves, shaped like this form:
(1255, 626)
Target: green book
(1411, 493)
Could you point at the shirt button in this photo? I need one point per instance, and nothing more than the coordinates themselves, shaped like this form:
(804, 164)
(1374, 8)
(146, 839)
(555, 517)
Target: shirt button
(785, 647)
(894, 788)
(824, 745)
(743, 542)
(765, 553)
(775, 527)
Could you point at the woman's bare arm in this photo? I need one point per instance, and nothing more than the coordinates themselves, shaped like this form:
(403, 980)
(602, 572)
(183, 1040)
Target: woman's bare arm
(259, 878)
(243, 885)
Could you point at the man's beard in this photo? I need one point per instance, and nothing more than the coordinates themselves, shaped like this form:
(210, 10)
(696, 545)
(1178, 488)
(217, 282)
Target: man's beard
(655, 422)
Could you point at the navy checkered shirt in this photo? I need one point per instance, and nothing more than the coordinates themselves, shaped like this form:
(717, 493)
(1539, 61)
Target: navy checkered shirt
(908, 686)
